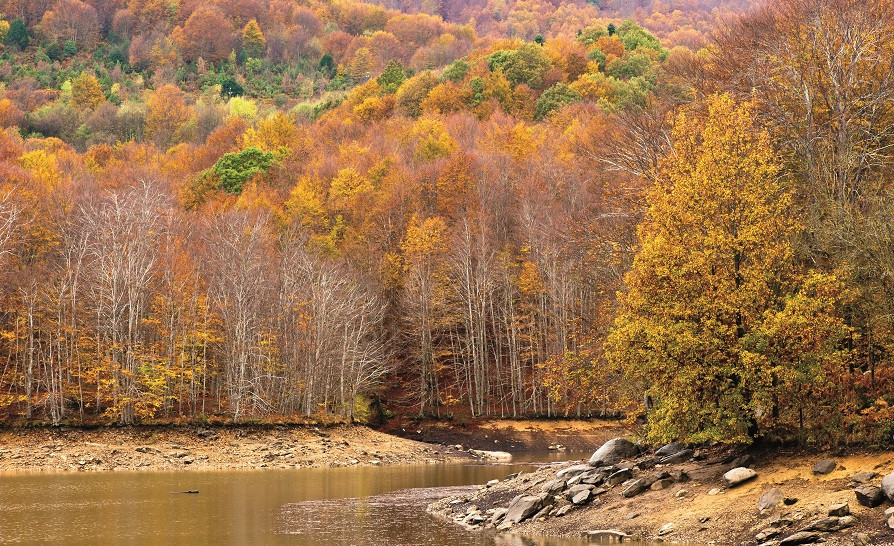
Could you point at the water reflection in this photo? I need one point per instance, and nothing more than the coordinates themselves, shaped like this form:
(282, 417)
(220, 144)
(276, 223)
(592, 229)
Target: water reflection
(384, 505)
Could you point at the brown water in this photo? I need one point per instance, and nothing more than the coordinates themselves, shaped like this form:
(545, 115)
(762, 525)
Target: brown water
(337, 506)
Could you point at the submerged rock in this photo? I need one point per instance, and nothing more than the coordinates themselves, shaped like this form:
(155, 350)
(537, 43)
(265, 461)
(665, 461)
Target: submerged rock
(492, 455)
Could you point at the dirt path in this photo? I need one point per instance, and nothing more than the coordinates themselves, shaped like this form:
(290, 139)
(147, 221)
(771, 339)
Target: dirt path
(191, 448)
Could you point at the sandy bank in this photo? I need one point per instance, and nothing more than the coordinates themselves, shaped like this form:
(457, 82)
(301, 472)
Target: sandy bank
(191, 448)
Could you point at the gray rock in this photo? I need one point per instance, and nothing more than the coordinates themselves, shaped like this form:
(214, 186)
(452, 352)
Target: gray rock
(563, 510)
(771, 499)
(576, 490)
(544, 512)
(581, 498)
(864, 477)
(802, 537)
(888, 486)
(669, 449)
(742, 460)
(840, 510)
(869, 495)
(825, 466)
(647, 463)
(662, 484)
(522, 508)
(620, 476)
(826, 525)
(890, 522)
(553, 486)
(862, 539)
(592, 478)
(635, 488)
(498, 515)
(614, 451)
(738, 476)
(680, 476)
(846, 521)
(889, 511)
(767, 534)
(573, 470)
(678, 457)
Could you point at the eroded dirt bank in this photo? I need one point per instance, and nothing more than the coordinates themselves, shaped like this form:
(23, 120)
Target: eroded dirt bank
(691, 503)
(192, 448)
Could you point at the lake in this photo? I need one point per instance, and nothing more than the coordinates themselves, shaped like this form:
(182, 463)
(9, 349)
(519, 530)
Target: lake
(344, 506)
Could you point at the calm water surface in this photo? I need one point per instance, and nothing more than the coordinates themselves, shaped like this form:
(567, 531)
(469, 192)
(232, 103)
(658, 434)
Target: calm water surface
(344, 506)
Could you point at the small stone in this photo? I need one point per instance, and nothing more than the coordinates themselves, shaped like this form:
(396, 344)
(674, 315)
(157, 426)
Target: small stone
(680, 476)
(890, 522)
(633, 515)
(788, 501)
(635, 488)
(888, 486)
(678, 457)
(826, 525)
(682, 493)
(771, 499)
(825, 466)
(862, 539)
(666, 529)
(582, 497)
(714, 491)
(619, 477)
(492, 483)
(889, 512)
(662, 484)
(864, 477)
(840, 509)
(846, 521)
(802, 537)
(738, 476)
(767, 533)
(670, 449)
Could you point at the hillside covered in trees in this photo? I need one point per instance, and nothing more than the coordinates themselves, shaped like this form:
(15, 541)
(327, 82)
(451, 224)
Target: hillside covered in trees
(267, 209)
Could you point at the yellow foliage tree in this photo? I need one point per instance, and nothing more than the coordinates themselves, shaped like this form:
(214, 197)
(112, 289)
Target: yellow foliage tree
(718, 325)
(86, 91)
(253, 41)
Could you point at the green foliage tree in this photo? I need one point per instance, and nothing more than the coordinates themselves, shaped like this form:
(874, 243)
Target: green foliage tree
(229, 87)
(527, 64)
(392, 77)
(236, 168)
(18, 34)
(722, 330)
(456, 71)
(554, 98)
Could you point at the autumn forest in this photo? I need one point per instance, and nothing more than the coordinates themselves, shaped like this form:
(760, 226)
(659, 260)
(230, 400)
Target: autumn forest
(261, 210)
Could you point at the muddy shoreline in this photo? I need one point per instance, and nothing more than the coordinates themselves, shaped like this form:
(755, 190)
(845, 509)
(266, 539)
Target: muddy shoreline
(67, 449)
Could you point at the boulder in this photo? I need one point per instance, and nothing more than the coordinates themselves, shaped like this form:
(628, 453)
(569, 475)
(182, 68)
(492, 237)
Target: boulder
(802, 537)
(614, 451)
(869, 495)
(678, 457)
(825, 466)
(840, 510)
(669, 449)
(635, 488)
(522, 508)
(738, 476)
(771, 499)
(888, 486)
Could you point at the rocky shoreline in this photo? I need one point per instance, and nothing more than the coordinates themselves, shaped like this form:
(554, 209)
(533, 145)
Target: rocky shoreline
(679, 493)
(209, 448)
